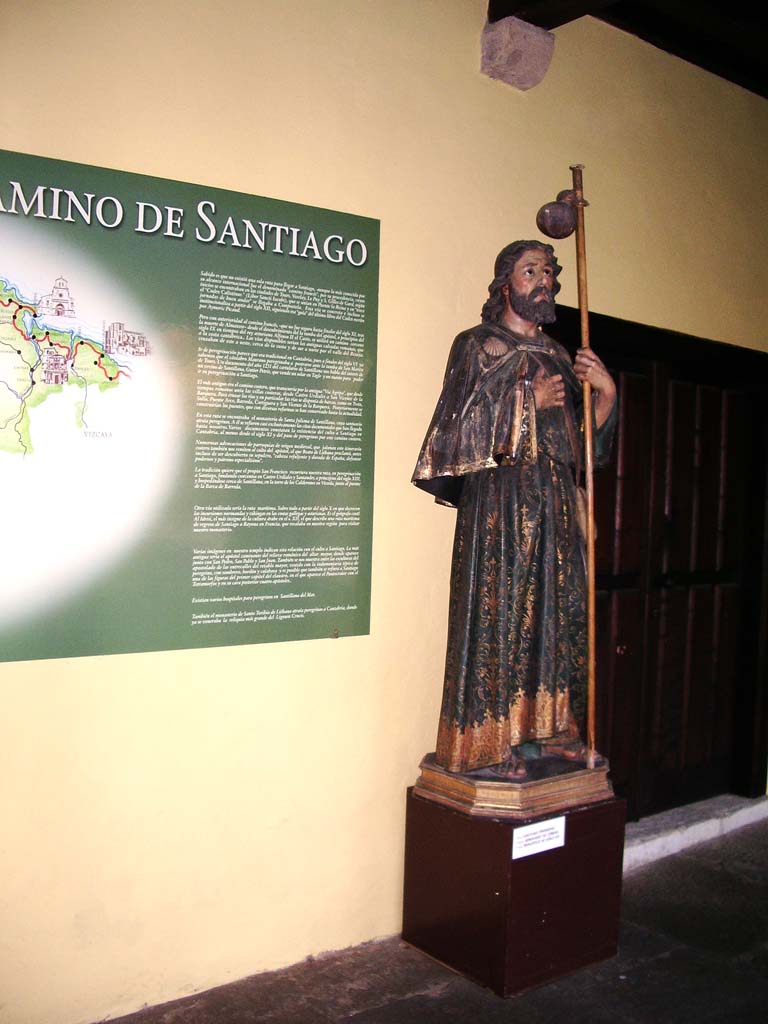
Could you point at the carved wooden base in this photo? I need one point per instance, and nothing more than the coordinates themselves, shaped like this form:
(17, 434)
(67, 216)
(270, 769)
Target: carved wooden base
(553, 784)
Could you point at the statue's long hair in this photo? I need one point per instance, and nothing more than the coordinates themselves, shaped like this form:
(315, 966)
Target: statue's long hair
(493, 309)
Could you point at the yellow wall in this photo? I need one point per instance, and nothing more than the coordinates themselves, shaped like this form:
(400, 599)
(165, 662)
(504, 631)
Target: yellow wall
(174, 821)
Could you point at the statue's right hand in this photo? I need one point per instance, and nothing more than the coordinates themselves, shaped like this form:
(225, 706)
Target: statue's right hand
(548, 391)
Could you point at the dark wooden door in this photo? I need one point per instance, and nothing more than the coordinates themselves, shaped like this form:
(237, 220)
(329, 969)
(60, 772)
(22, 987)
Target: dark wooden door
(681, 569)
(622, 501)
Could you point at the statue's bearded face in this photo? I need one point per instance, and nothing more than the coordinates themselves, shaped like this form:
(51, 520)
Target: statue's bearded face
(530, 287)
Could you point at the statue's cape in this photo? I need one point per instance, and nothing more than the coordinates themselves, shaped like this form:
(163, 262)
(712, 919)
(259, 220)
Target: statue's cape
(486, 416)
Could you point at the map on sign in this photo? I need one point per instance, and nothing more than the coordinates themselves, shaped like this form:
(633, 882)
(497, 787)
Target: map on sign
(42, 353)
(87, 433)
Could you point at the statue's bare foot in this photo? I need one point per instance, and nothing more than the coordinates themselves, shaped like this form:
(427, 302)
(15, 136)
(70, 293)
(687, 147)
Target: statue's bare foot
(569, 751)
(513, 769)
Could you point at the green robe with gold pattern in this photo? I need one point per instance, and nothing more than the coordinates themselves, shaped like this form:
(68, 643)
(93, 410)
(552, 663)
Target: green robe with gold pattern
(516, 660)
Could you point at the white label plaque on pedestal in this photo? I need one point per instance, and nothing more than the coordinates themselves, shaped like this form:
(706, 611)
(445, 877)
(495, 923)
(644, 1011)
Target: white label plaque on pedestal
(538, 837)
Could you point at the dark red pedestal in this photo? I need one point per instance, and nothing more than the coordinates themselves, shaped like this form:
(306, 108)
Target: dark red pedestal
(512, 924)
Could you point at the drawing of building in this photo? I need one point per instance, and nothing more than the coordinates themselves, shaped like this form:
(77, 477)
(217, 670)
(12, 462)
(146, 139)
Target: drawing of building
(58, 302)
(118, 340)
(54, 367)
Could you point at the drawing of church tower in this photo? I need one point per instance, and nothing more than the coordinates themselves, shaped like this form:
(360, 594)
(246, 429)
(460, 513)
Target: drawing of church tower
(54, 367)
(118, 340)
(58, 302)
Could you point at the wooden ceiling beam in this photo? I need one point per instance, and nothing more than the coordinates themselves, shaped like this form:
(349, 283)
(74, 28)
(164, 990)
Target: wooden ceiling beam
(725, 40)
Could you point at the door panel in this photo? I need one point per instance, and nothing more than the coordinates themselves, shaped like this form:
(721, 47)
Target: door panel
(670, 562)
(709, 454)
(693, 693)
(681, 557)
(619, 652)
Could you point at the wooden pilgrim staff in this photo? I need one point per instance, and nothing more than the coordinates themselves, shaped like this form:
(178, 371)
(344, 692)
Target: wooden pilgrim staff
(558, 220)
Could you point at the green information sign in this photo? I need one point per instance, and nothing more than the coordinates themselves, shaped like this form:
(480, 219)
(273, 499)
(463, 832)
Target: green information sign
(187, 392)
